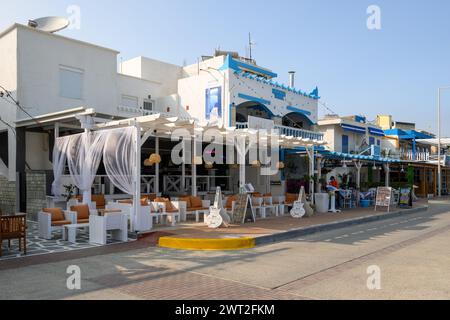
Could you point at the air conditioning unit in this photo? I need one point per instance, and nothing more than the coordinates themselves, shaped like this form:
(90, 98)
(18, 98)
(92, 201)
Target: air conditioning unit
(148, 105)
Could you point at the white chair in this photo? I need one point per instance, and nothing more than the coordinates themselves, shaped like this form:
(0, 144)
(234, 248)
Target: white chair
(46, 226)
(116, 222)
(281, 205)
(257, 203)
(269, 205)
(146, 216)
(173, 216)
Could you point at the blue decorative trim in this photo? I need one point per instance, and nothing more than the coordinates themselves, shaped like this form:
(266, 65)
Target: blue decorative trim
(278, 94)
(251, 98)
(236, 65)
(312, 95)
(230, 118)
(297, 110)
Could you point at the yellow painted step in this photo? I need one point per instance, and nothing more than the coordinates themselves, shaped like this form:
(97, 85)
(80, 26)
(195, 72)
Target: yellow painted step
(207, 244)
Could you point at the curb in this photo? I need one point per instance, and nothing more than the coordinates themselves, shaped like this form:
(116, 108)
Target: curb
(206, 244)
(283, 236)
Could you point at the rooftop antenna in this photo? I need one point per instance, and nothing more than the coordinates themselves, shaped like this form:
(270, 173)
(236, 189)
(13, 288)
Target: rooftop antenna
(49, 24)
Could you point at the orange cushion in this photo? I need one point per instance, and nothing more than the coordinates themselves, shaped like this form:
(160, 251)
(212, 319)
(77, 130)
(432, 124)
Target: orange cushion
(128, 201)
(83, 221)
(230, 200)
(196, 202)
(198, 209)
(82, 211)
(56, 213)
(99, 200)
(187, 200)
(60, 223)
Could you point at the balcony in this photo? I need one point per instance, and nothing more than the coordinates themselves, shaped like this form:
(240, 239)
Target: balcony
(290, 132)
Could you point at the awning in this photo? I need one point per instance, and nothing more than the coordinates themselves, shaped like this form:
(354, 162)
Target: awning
(348, 156)
(352, 128)
(376, 132)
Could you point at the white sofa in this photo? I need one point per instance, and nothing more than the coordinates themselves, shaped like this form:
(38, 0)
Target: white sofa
(45, 224)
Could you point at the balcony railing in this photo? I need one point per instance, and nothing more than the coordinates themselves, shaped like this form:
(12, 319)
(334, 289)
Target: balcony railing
(290, 132)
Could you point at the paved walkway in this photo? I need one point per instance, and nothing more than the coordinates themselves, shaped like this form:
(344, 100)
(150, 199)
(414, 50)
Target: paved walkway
(412, 252)
(273, 225)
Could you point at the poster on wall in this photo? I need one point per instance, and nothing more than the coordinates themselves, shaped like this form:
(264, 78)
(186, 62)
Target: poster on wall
(213, 104)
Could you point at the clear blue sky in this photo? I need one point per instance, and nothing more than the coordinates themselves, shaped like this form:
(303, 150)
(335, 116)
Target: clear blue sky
(396, 70)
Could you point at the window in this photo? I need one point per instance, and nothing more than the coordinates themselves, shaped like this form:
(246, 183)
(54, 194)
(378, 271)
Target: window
(71, 83)
(129, 102)
(371, 141)
(379, 143)
(345, 144)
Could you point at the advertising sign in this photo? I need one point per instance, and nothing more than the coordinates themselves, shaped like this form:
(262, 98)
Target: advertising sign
(213, 109)
(384, 195)
(405, 198)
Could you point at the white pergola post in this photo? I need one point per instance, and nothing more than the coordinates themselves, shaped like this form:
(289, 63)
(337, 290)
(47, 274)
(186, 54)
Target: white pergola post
(311, 171)
(387, 170)
(183, 176)
(157, 166)
(135, 221)
(358, 166)
(194, 167)
(320, 162)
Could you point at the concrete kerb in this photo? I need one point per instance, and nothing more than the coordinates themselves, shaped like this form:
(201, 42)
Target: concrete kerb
(291, 234)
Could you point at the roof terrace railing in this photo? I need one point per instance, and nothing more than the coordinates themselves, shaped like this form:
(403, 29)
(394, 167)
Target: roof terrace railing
(290, 132)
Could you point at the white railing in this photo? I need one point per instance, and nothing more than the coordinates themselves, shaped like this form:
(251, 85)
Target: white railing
(102, 185)
(290, 132)
(173, 184)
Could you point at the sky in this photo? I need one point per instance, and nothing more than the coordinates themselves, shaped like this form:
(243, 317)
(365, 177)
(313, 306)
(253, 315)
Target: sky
(395, 70)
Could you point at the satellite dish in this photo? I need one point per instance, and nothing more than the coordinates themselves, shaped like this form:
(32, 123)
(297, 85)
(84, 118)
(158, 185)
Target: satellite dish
(49, 24)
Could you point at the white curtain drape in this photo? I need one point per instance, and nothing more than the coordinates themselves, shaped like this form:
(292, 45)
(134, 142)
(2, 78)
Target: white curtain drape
(84, 154)
(59, 163)
(119, 158)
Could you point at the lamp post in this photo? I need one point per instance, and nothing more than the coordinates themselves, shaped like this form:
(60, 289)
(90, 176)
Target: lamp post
(439, 141)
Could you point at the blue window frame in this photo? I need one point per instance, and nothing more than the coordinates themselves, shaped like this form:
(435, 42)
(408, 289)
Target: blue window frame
(379, 143)
(344, 144)
(371, 141)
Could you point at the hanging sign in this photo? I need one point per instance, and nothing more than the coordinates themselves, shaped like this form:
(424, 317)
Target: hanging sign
(406, 198)
(384, 196)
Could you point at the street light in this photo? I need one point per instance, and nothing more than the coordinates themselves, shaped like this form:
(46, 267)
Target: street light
(439, 141)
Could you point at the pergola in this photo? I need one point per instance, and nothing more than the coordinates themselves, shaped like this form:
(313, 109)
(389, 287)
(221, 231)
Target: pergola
(120, 143)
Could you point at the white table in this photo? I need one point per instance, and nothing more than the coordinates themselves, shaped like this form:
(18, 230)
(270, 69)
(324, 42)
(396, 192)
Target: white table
(71, 233)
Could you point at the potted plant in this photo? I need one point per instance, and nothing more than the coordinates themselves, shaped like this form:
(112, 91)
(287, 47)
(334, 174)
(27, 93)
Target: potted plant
(69, 191)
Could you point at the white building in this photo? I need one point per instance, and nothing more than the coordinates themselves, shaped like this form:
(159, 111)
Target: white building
(57, 80)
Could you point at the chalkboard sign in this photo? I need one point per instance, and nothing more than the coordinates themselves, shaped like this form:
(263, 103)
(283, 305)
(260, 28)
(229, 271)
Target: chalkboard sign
(405, 198)
(243, 210)
(384, 196)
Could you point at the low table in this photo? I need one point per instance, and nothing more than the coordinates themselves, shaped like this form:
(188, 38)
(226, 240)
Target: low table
(71, 233)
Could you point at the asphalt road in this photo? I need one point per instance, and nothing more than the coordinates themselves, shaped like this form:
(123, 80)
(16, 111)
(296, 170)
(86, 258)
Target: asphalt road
(410, 256)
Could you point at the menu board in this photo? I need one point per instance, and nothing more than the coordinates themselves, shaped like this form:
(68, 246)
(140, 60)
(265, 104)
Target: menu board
(243, 210)
(405, 198)
(384, 195)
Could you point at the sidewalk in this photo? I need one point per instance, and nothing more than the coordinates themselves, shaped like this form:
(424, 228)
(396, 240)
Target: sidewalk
(281, 228)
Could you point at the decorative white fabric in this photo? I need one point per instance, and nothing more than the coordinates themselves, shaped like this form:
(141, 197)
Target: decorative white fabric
(84, 154)
(59, 162)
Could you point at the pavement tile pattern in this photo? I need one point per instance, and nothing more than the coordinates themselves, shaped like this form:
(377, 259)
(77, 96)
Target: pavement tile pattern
(39, 246)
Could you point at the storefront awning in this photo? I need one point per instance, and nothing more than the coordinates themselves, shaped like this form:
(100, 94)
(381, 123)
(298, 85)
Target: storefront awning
(376, 132)
(349, 156)
(352, 128)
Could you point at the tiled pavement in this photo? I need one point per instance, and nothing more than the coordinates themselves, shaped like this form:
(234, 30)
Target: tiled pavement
(170, 284)
(38, 246)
